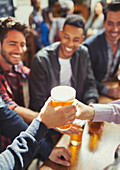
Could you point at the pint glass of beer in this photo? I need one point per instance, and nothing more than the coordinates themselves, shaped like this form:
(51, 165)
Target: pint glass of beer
(63, 96)
(75, 138)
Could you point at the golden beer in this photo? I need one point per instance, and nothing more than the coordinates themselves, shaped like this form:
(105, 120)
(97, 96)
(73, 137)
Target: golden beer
(95, 131)
(76, 139)
(95, 127)
(63, 96)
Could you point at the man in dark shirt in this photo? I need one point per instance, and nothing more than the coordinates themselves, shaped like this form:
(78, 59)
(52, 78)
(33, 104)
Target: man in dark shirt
(63, 63)
(104, 49)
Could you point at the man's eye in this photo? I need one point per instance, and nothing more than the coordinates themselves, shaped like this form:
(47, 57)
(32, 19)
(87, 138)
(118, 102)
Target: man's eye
(12, 44)
(23, 45)
(76, 40)
(66, 37)
(110, 23)
(118, 23)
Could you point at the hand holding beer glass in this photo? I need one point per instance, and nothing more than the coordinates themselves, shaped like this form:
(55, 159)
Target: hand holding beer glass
(63, 96)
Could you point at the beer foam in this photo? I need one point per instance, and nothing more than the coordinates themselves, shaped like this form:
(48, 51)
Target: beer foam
(63, 93)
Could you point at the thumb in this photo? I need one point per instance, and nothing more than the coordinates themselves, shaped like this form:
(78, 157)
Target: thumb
(48, 102)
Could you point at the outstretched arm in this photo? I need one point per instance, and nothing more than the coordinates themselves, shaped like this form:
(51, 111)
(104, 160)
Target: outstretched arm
(100, 112)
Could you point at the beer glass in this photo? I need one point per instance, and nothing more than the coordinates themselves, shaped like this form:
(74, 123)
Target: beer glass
(63, 96)
(95, 131)
(77, 139)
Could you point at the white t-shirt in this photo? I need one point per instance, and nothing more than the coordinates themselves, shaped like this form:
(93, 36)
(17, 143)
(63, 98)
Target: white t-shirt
(65, 71)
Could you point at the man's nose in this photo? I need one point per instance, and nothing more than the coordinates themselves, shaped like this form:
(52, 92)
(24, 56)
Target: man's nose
(115, 28)
(19, 48)
(70, 43)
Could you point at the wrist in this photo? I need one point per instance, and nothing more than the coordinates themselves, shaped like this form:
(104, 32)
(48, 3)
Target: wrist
(91, 113)
(44, 120)
(39, 117)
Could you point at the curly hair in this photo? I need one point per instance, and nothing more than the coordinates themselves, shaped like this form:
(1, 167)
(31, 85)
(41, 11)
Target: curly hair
(10, 23)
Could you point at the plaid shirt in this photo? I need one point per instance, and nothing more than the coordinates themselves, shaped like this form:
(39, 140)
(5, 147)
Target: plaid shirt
(112, 61)
(6, 93)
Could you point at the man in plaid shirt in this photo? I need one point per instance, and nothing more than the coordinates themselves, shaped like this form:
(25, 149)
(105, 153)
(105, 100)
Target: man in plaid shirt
(12, 75)
(12, 71)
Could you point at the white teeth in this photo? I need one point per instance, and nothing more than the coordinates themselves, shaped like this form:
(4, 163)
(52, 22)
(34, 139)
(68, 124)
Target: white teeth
(68, 49)
(114, 34)
(16, 56)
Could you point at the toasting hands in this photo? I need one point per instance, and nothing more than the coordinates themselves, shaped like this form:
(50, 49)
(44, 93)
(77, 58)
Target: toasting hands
(57, 116)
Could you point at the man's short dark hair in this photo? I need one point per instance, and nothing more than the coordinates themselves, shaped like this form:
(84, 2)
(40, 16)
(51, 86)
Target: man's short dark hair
(10, 23)
(75, 20)
(113, 6)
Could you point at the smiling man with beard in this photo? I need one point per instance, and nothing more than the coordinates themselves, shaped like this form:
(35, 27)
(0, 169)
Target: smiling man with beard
(104, 49)
(13, 73)
(63, 63)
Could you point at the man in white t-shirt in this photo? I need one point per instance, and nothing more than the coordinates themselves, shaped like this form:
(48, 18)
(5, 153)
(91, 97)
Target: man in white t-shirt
(63, 63)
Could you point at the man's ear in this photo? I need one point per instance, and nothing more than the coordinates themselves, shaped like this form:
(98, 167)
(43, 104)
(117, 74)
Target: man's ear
(60, 33)
(82, 38)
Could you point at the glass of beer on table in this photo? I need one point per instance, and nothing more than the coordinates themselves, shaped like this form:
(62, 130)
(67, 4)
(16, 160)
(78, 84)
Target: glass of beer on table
(63, 96)
(75, 138)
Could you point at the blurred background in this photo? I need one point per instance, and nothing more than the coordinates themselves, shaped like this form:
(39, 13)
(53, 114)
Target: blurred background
(21, 9)
(30, 12)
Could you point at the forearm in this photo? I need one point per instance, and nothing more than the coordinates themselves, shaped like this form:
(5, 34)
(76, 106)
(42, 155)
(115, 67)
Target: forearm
(27, 114)
(107, 112)
(9, 160)
(101, 87)
(21, 152)
(48, 143)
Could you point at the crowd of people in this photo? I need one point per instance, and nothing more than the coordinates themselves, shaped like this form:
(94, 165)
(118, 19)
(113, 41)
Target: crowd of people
(77, 61)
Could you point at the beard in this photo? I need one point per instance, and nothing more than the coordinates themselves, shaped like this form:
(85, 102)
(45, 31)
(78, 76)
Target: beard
(5, 58)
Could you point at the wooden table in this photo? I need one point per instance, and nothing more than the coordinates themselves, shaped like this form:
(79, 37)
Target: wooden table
(104, 99)
(82, 156)
(85, 158)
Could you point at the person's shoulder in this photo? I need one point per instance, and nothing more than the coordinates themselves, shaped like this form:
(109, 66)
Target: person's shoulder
(48, 49)
(94, 38)
(82, 51)
(82, 47)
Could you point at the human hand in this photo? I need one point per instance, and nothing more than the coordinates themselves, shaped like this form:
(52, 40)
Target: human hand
(61, 155)
(74, 129)
(114, 92)
(57, 116)
(84, 111)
